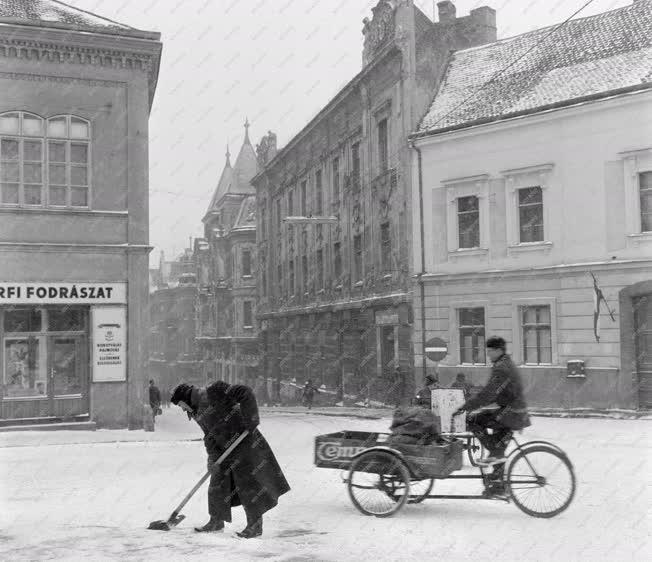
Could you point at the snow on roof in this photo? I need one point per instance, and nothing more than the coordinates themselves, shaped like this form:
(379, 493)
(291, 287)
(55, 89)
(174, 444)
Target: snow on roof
(53, 13)
(584, 57)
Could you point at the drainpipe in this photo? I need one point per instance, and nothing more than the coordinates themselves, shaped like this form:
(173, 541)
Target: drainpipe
(423, 260)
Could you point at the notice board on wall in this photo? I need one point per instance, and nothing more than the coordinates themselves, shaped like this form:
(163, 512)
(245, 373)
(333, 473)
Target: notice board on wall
(109, 343)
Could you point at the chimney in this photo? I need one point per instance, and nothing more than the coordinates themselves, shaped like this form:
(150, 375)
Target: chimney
(447, 11)
(485, 18)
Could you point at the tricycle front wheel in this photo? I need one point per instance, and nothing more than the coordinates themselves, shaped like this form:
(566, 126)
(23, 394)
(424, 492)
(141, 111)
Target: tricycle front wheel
(379, 483)
(541, 481)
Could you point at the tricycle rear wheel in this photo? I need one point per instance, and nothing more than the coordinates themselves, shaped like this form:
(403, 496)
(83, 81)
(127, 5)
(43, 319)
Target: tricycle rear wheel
(378, 483)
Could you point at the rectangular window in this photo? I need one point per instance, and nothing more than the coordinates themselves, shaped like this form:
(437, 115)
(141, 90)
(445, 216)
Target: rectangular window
(337, 261)
(530, 214)
(645, 189)
(472, 335)
(319, 195)
(279, 279)
(247, 315)
(536, 334)
(336, 180)
(320, 269)
(290, 204)
(10, 171)
(386, 246)
(278, 215)
(355, 167)
(291, 278)
(263, 221)
(246, 263)
(304, 273)
(357, 257)
(304, 195)
(468, 222)
(383, 148)
(263, 282)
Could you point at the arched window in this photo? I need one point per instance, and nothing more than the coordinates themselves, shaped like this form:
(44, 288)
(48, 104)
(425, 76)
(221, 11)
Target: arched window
(44, 163)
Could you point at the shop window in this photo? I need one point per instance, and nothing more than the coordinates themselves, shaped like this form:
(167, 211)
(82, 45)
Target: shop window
(22, 320)
(530, 214)
(468, 222)
(24, 160)
(472, 335)
(645, 191)
(67, 319)
(536, 335)
(24, 368)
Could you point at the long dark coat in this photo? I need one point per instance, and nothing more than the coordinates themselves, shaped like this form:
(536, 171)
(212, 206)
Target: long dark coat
(250, 476)
(504, 388)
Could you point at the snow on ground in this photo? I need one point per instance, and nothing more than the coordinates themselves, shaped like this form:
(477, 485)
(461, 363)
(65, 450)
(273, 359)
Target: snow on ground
(72, 495)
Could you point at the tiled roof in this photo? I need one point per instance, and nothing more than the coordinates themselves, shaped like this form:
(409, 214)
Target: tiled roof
(236, 179)
(585, 57)
(59, 14)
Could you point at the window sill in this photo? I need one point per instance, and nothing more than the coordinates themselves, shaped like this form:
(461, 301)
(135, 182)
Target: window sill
(529, 247)
(467, 252)
(247, 276)
(247, 327)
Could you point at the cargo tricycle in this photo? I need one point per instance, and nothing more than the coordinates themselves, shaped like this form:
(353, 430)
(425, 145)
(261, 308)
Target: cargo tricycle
(382, 477)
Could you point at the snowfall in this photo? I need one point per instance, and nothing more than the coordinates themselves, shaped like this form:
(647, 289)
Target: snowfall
(84, 495)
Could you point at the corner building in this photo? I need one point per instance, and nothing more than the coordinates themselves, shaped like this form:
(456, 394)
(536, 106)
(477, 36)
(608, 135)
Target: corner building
(335, 300)
(75, 95)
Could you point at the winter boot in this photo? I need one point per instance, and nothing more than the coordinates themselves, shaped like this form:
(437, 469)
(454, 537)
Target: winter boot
(253, 529)
(214, 525)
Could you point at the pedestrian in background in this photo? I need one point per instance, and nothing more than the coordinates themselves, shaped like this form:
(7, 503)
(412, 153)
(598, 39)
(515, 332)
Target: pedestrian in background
(154, 399)
(461, 382)
(309, 391)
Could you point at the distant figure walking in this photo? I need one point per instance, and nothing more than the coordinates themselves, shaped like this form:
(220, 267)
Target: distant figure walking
(308, 395)
(154, 399)
(461, 382)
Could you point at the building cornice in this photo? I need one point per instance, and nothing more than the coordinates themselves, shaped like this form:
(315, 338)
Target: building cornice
(551, 270)
(73, 247)
(72, 47)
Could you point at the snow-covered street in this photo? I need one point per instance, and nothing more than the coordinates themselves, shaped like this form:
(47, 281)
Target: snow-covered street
(73, 495)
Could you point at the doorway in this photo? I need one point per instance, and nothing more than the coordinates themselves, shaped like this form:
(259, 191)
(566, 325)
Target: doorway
(643, 339)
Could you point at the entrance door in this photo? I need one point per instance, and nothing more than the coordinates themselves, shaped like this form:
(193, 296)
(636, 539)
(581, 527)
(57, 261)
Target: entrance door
(67, 371)
(643, 334)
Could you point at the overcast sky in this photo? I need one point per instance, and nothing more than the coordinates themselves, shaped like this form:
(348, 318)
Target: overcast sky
(276, 62)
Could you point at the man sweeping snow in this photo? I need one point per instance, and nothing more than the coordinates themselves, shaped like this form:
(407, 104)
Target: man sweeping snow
(250, 476)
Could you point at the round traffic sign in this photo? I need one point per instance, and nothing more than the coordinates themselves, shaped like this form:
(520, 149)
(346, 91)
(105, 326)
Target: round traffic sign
(436, 349)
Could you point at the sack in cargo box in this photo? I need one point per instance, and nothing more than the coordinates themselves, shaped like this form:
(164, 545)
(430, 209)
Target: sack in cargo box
(444, 402)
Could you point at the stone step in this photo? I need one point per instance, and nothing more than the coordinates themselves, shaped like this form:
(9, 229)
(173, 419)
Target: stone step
(82, 425)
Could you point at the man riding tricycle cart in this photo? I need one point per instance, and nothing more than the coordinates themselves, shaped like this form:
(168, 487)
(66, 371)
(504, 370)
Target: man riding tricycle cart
(386, 471)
